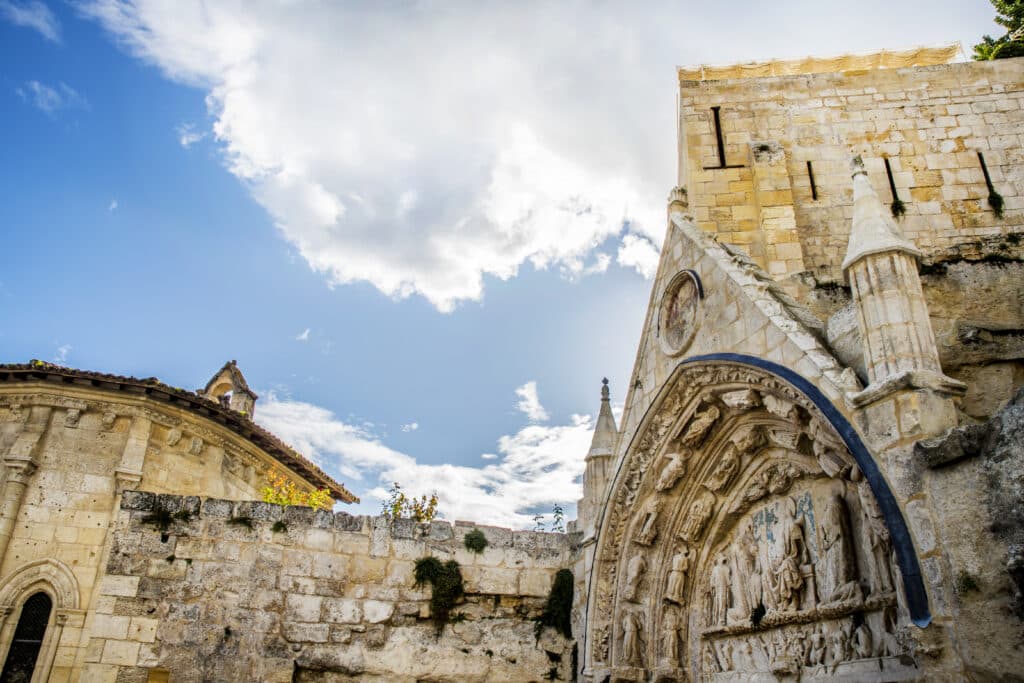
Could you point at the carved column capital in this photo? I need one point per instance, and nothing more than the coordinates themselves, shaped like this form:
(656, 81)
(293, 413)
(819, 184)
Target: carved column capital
(127, 480)
(19, 470)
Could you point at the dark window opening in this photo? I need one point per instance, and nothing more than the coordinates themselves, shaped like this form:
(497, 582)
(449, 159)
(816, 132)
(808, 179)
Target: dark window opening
(897, 207)
(28, 640)
(716, 113)
(814, 188)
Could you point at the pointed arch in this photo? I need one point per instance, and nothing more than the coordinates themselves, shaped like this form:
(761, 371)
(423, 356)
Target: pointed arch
(727, 437)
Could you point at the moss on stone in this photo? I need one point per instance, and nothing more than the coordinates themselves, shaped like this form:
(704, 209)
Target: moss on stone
(445, 579)
(558, 609)
(475, 541)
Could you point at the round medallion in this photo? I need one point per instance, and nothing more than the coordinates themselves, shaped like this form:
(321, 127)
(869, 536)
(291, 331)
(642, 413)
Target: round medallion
(680, 307)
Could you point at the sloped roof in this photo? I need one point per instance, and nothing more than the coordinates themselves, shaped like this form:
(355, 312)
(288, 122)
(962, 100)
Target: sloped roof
(152, 388)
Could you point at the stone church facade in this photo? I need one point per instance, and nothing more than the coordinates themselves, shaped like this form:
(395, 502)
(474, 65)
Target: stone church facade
(818, 470)
(817, 473)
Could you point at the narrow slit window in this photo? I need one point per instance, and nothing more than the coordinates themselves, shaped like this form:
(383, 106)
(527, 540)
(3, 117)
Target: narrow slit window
(28, 639)
(716, 117)
(995, 200)
(810, 175)
(897, 208)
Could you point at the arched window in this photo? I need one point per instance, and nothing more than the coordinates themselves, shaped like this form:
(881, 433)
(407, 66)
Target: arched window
(28, 639)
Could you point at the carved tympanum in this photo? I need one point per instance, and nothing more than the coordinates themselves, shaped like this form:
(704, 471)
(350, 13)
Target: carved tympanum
(760, 542)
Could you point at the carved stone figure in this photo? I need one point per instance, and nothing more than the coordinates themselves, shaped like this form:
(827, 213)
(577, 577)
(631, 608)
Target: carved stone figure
(786, 579)
(862, 641)
(699, 514)
(632, 639)
(818, 646)
(727, 466)
(674, 592)
(699, 427)
(635, 570)
(719, 588)
(71, 417)
(109, 418)
(670, 637)
(838, 647)
(673, 470)
(173, 436)
(875, 536)
(746, 574)
(648, 530)
(837, 569)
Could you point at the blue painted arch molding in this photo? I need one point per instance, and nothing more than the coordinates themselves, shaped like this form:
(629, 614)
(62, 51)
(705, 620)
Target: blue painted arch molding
(903, 544)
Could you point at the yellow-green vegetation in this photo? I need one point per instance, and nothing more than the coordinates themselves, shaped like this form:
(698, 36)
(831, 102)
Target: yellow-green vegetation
(445, 579)
(398, 505)
(475, 541)
(281, 490)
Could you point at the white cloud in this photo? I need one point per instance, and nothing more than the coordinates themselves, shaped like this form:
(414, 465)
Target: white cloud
(188, 135)
(529, 402)
(49, 99)
(640, 253)
(113, 205)
(62, 353)
(488, 456)
(533, 468)
(32, 14)
(303, 336)
(420, 147)
(410, 427)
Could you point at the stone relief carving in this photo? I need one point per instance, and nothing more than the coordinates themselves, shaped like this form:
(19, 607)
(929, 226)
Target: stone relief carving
(648, 529)
(678, 318)
(795, 544)
(109, 417)
(173, 436)
(697, 430)
(697, 517)
(195, 446)
(673, 470)
(675, 591)
(837, 570)
(71, 417)
(632, 639)
(634, 576)
(670, 637)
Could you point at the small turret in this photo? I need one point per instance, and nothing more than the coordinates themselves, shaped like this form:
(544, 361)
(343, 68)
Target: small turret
(600, 459)
(229, 388)
(896, 332)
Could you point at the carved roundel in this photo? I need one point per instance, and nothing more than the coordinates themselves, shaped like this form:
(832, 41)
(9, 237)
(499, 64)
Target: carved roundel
(679, 315)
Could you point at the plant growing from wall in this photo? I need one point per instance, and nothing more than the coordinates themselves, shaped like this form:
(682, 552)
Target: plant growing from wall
(558, 609)
(558, 522)
(475, 541)
(281, 490)
(538, 522)
(398, 505)
(445, 579)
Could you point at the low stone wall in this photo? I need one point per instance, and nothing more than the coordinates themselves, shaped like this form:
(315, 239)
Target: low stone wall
(243, 591)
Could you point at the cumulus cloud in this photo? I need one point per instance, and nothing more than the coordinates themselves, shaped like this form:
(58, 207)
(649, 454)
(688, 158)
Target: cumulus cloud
(532, 469)
(188, 135)
(51, 98)
(640, 253)
(32, 14)
(419, 147)
(410, 427)
(529, 403)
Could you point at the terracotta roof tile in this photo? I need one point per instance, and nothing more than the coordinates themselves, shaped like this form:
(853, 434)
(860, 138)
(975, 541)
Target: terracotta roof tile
(155, 389)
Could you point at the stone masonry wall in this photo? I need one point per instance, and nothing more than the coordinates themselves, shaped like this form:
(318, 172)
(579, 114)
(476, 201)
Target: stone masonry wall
(250, 591)
(930, 122)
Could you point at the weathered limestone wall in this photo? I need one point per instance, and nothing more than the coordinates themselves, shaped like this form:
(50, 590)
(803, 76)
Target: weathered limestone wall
(251, 591)
(930, 122)
(68, 454)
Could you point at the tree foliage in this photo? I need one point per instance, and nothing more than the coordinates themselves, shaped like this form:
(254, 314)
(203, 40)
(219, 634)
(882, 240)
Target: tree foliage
(281, 490)
(1009, 15)
(399, 505)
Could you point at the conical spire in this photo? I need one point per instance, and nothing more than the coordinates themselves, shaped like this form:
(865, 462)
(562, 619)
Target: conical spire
(605, 431)
(873, 230)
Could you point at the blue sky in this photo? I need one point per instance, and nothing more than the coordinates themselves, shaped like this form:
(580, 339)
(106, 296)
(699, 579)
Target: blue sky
(457, 201)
